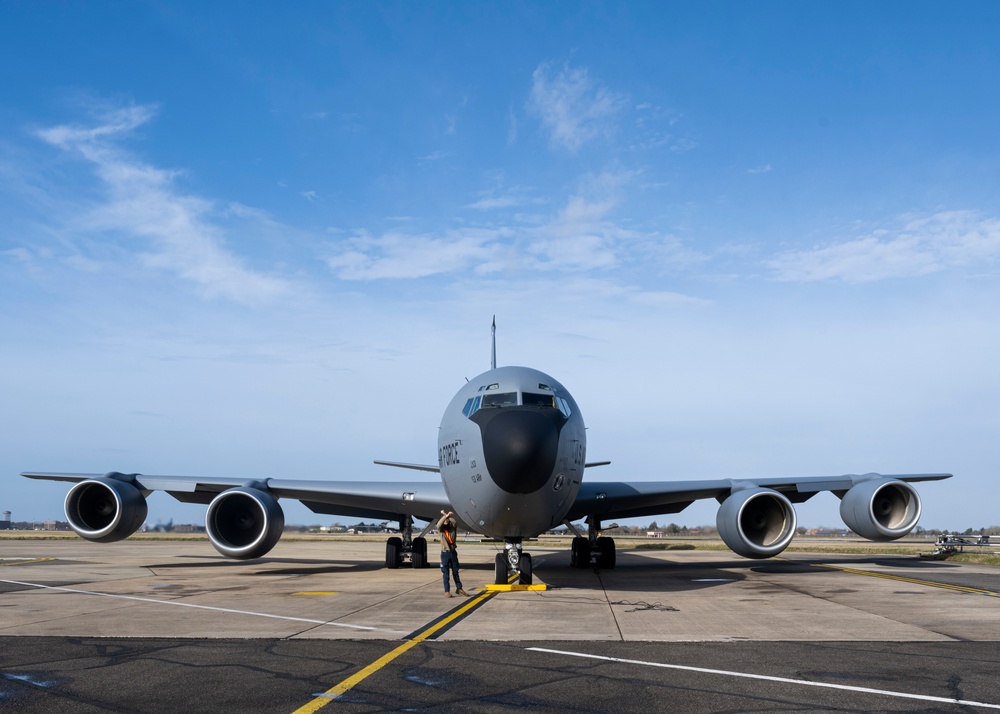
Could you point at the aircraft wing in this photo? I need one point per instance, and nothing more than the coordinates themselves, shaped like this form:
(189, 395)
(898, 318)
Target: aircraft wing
(387, 500)
(612, 499)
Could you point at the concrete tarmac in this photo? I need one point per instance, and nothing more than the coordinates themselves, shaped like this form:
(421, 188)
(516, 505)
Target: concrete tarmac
(172, 626)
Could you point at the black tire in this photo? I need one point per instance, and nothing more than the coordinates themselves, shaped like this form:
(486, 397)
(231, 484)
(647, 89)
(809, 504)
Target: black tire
(525, 567)
(419, 557)
(606, 559)
(580, 557)
(500, 569)
(393, 552)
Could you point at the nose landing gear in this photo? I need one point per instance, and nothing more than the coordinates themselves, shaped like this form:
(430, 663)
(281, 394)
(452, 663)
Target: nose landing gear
(513, 564)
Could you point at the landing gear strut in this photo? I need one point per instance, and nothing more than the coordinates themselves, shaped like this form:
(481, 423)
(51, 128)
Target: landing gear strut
(595, 549)
(513, 563)
(400, 549)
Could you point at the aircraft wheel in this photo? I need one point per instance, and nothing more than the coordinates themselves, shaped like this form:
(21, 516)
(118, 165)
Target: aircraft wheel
(500, 570)
(393, 552)
(580, 557)
(525, 578)
(606, 559)
(419, 553)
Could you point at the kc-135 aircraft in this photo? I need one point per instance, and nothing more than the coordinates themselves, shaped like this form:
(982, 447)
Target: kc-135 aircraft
(512, 451)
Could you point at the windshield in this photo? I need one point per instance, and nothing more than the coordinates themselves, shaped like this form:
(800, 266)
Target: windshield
(503, 399)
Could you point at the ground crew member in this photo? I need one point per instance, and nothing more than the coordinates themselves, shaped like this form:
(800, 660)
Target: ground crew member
(449, 553)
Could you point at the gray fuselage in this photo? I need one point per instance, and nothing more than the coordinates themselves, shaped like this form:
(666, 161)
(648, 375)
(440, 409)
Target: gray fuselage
(511, 449)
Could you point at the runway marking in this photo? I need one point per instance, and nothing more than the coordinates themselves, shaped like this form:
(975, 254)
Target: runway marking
(904, 579)
(190, 604)
(768, 678)
(17, 561)
(316, 592)
(430, 630)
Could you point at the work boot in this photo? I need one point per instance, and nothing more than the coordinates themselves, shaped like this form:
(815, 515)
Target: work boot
(460, 591)
(448, 594)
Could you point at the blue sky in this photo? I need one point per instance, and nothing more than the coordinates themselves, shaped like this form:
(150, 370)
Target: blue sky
(268, 240)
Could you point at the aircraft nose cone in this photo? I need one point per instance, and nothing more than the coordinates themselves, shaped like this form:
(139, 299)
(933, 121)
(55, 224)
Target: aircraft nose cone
(520, 446)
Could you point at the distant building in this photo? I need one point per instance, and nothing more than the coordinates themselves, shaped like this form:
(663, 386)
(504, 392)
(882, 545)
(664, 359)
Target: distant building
(55, 526)
(188, 528)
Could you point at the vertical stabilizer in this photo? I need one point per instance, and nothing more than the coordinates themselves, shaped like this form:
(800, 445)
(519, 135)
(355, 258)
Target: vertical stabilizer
(493, 331)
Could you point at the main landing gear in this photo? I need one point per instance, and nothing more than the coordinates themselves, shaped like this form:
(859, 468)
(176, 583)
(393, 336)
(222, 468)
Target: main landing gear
(407, 548)
(512, 564)
(594, 550)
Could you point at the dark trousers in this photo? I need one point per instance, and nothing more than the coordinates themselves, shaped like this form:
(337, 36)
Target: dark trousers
(449, 563)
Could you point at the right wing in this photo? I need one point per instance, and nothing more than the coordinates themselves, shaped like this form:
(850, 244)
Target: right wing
(386, 500)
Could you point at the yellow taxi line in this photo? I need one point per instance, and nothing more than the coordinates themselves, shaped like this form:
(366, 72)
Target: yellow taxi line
(321, 700)
(27, 562)
(904, 579)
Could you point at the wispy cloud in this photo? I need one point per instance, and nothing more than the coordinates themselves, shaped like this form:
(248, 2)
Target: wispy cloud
(396, 254)
(434, 156)
(762, 169)
(921, 246)
(179, 233)
(581, 237)
(571, 106)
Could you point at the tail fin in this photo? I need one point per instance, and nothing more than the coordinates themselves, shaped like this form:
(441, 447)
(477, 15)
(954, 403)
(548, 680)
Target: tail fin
(494, 334)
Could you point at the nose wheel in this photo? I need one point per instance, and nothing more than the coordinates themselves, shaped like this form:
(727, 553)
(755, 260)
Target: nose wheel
(513, 565)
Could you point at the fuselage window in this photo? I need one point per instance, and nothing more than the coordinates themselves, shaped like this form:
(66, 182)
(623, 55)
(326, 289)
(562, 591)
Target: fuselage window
(502, 399)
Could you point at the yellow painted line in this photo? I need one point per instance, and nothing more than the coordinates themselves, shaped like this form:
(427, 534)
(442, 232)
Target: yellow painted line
(914, 581)
(514, 586)
(321, 700)
(316, 592)
(28, 562)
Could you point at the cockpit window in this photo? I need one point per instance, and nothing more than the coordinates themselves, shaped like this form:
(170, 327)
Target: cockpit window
(549, 401)
(501, 399)
(539, 400)
(471, 406)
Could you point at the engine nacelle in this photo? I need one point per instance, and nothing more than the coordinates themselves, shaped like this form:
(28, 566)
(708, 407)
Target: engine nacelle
(105, 509)
(756, 522)
(244, 522)
(881, 509)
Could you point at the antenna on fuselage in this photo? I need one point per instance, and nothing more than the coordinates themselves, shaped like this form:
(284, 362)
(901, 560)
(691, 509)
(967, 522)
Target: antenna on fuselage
(493, 332)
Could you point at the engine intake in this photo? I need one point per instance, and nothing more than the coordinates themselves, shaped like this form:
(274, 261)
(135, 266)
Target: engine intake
(105, 509)
(881, 509)
(756, 522)
(244, 523)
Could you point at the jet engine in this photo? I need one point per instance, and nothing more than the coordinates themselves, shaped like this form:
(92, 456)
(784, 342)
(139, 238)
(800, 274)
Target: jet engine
(105, 509)
(756, 522)
(881, 509)
(244, 522)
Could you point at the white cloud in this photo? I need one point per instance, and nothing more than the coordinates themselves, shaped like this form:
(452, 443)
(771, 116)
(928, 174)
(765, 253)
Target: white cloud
(762, 169)
(397, 255)
(921, 246)
(571, 107)
(141, 202)
(579, 238)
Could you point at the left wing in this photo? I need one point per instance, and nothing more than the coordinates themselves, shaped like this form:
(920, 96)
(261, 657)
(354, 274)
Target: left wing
(614, 499)
(756, 518)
